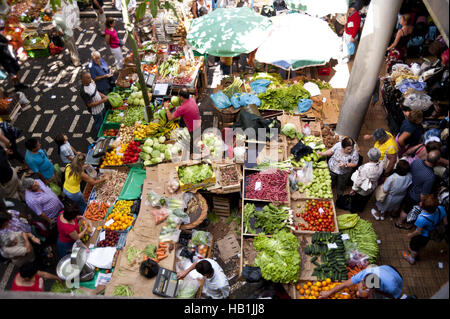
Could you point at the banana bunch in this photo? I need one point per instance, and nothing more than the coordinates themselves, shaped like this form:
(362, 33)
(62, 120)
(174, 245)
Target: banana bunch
(167, 129)
(145, 130)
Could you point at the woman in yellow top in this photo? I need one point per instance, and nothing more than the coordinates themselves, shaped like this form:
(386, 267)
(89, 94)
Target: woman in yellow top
(385, 142)
(74, 174)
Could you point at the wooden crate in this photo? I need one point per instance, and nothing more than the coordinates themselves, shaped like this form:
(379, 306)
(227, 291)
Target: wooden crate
(222, 206)
(302, 202)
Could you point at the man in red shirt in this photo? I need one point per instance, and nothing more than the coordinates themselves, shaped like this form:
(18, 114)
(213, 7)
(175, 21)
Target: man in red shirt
(188, 110)
(350, 32)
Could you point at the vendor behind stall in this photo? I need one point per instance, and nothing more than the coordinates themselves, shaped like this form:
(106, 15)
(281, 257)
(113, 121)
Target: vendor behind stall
(188, 110)
(216, 283)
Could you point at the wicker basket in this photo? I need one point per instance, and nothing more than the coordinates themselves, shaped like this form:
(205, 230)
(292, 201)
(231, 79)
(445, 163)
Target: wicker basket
(199, 217)
(228, 115)
(122, 81)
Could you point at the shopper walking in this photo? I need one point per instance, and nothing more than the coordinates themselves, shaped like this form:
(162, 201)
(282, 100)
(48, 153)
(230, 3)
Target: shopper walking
(67, 34)
(112, 40)
(101, 73)
(350, 32)
(385, 143)
(97, 5)
(396, 186)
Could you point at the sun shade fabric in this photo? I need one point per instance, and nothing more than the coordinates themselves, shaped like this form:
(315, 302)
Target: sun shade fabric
(228, 32)
(297, 41)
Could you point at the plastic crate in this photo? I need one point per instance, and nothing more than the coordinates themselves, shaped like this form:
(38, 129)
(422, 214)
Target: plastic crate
(107, 126)
(324, 70)
(106, 117)
(38, 53)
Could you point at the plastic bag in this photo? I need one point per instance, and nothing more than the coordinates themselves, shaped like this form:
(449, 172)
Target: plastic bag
(313, 88)
(220, 100)
(170, 236)
(417, 101)
(260, 86)
(349, 247)
(188, 289)
(173, 185)
(304, 105)
(415, 68)
(293, 184)
(185, 219)
(176, 202)
(155, 200)
(200, 237)
(160, 215)
(173, 221)
(187, 198)
(305, 175)
(55, 189)
(358, 259)
(306, 130)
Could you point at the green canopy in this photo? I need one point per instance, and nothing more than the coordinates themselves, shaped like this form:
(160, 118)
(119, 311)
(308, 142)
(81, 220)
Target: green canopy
(228, 32)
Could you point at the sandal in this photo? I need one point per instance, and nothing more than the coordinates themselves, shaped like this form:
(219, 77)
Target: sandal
(402, 226)
(407, 256)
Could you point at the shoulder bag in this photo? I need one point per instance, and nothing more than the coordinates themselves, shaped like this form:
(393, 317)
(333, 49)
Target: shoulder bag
(380, 194)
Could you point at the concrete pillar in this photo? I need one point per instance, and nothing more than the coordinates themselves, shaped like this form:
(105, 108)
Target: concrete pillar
(378, 27)
(438, 10)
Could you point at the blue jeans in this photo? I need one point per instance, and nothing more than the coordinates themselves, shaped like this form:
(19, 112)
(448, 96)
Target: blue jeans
(63, 248)
(77, 198)
(98, 119)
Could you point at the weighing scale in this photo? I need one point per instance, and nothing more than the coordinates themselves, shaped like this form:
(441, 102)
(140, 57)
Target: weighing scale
(149, 78)
(166, 284)
(95, 153)
(160, 89)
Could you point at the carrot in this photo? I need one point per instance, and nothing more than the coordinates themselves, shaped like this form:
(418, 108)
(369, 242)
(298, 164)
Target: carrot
(162, 245)
(160, 254)
(162, 257)
(161, 249)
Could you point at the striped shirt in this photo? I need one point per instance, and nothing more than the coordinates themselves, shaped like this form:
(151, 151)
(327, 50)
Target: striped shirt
(216, 287)
(90, 90)
(44, 201)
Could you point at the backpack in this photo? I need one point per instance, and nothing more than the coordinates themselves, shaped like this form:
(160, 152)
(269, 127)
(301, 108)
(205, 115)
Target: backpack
(10, 131)
(440, 230)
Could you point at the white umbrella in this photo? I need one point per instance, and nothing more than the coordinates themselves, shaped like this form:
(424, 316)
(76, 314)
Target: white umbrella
(297, 40)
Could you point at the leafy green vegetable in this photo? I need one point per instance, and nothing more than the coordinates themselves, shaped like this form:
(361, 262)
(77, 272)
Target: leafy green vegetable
(365, 238)
(150, 251)
(272, 219)
(289, 130)
(57, 287)
(249, 212)
(194, 174)
(235, 87)
(347, 221)
(278, 259)
(283, 98)
(132, 253)
(115, 99)
(200, 238)
(187, 291)
(133, 115)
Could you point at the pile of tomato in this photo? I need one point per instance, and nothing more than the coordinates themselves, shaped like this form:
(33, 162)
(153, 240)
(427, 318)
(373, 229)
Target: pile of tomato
(319, 215)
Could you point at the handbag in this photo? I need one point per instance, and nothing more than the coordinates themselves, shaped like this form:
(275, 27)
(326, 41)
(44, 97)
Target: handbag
(413, 214)
(380, 194)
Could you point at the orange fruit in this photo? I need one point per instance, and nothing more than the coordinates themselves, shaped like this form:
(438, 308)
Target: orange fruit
(305, 286)
(309, 283)
(297, 287)
(324, 283)
(328, 280)
(307, 292)
(301, 291)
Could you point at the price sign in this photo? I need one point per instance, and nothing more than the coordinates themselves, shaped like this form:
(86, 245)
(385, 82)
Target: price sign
(102, 236)
(109, 222)
(257, 186)
(345, 237)
(321, 210)
(332, 246)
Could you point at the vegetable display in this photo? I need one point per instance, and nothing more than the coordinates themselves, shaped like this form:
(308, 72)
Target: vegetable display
(320, 187)
(154, 151)
(229, 175)
(271, 186)
(333, 259)
(284, 98)
(132, 254)
(96, 211)
(211, 143)
(111, 132)
(233, 88)
(150, 251)
(364, 236)
(131, 155)
(278, 257)
(115, 116)
(319, 215)
(270, 219)
(311, 290)
(200, 238)
(123, 290)
(133, 115)
(120, 216)
(290, 131)
(108, 191)
(115, 99)
(111, 239)
(194, 174)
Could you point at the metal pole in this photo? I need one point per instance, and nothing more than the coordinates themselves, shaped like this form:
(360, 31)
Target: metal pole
(380, 21)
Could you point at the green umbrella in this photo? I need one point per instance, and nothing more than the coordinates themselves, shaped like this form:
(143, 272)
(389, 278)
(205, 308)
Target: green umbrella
(228, 32)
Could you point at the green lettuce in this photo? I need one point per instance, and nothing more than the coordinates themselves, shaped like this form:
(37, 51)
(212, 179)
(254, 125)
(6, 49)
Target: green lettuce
(194, 174)
(278, 258)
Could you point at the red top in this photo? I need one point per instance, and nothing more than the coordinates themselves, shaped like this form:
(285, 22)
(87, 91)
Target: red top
(353, 24)
(114, 41)
(65, 229)
(189, 111)
(35, 287)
